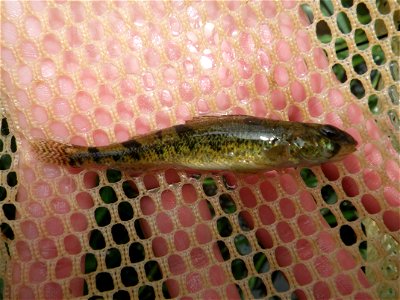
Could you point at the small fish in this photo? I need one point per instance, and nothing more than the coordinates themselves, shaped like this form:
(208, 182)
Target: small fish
(237, 143)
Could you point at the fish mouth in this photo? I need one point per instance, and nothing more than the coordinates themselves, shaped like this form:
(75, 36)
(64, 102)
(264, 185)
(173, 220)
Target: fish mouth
(345, 149)
(348, 144)
(349, 141)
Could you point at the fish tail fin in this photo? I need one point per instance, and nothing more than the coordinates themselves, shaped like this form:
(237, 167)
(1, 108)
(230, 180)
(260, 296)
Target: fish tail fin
(56, 153)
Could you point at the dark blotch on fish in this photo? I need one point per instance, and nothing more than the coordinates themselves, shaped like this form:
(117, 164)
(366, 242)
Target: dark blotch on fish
(158, 134)
(95, 153)
(116, 157)
(183, 130)
(131, 144)
(134, 154)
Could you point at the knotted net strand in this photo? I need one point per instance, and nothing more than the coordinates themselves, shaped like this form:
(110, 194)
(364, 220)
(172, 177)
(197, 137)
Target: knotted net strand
(94, 73)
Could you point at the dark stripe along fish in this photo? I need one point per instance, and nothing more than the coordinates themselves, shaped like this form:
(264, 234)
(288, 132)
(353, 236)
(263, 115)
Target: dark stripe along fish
(237, 143)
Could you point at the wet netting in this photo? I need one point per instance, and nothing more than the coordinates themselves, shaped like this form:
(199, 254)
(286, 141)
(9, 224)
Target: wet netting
(94, 73)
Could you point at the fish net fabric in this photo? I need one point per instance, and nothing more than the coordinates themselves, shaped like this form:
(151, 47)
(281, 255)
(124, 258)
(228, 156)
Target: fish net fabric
(93, 73)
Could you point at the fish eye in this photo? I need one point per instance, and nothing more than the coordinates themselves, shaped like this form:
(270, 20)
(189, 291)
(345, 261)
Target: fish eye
(329, 131)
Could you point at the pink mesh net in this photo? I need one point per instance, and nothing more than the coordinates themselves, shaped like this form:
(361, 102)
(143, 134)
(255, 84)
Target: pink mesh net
(94, 73)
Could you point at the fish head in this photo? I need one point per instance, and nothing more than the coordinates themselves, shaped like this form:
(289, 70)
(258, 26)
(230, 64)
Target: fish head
(338, 142)
(321, 143)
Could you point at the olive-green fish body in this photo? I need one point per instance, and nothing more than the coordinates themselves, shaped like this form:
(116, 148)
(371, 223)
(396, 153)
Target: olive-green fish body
(240, 143)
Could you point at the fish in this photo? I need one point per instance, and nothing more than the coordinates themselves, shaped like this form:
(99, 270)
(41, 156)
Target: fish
(212, 143)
